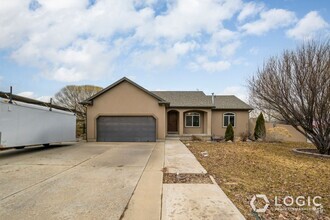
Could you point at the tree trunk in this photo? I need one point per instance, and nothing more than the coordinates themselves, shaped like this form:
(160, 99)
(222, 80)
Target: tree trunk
(323, 146)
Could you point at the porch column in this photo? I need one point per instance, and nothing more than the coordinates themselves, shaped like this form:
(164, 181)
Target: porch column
(209, 123)
(181, 122)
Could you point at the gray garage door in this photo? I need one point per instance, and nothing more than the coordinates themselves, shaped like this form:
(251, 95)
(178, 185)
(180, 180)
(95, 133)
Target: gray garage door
(126, 128)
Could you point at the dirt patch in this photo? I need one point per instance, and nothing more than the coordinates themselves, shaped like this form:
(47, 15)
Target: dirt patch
(186, 178)
(244, 169)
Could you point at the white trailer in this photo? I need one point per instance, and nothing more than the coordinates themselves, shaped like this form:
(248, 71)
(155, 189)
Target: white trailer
(23, 124)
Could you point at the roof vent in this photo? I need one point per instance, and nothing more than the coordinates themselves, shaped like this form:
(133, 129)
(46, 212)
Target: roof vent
(212, 98)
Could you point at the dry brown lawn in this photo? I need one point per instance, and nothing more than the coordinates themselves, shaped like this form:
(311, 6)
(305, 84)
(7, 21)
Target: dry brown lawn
(244, 169)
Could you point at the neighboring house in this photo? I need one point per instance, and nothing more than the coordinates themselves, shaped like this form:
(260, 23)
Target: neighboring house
(125, 111)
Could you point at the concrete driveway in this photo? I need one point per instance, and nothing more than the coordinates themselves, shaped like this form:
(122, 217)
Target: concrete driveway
(80, 181)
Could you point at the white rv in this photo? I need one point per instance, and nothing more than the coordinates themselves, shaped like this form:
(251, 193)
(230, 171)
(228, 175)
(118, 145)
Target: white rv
(25, 124)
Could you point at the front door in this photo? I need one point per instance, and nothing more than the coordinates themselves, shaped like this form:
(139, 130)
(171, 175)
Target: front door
(172, 121)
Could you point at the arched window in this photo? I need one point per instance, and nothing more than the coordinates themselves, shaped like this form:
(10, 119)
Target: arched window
(192, 119)
(229, 118)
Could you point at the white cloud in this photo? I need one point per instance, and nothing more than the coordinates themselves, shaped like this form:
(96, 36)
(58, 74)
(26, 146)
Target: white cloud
(167, 57)
(308, 26)
(131, 77)
(26, 94)
(44, 98)
(224, 35)
(250, 9)
(189, 18)
(110, 17)
(64, 39)
(271, 19)
(69, 41)
(254, 50)
(31, 95)
(156, 58)
(223, 43)
(84, 59)
(210, 65)
(230, 49)
(59, 5)
(238, 91)
(216, 66)
(181, 48)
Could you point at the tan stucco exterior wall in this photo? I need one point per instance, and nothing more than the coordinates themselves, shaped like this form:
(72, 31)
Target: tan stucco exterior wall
(241, 120)
(125, 100)
(205, 123)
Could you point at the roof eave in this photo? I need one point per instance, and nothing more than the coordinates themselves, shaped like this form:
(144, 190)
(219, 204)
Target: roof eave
(189, 106)
(241, 109)
(86, 102)
(117, 83)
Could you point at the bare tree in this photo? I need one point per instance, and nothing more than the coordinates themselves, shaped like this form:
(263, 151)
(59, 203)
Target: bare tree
(296, 86)
(70, 96)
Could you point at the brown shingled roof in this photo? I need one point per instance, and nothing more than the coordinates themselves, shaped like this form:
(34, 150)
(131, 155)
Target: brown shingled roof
(196, 99)
(185, 98)
(229, 102)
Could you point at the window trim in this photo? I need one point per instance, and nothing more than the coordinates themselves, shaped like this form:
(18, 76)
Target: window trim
(192, 124)
(223, 119)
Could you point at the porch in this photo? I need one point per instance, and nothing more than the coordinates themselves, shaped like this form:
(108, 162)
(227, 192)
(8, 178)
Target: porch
(185, 123)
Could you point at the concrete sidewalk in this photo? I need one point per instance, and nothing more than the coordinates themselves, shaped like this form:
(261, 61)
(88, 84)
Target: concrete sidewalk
(178, 159)
(192, 201)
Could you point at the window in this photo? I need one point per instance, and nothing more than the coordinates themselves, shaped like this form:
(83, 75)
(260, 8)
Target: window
(192, 119)
(228, 118)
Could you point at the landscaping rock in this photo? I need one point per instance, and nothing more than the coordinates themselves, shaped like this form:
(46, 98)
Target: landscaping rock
(187, 178)
(205, 154)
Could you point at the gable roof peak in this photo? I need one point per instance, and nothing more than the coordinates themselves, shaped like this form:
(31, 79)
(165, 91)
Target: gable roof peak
(123, 79)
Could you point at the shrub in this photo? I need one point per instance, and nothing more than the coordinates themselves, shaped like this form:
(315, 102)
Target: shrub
(244, 136)
(277, 134)
(229, 135)
(217, 138)
(195, 138)
(260, 128)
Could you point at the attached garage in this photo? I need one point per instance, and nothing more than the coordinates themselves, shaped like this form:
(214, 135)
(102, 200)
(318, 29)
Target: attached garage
(126, 129)
(125, 111)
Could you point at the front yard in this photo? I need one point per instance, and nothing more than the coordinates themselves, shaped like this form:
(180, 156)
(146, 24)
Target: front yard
(244, 169)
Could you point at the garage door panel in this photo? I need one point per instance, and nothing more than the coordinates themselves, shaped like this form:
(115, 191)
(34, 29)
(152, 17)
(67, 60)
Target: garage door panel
(126, 128)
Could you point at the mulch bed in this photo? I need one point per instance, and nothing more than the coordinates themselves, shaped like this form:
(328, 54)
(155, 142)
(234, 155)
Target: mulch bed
(186, 178)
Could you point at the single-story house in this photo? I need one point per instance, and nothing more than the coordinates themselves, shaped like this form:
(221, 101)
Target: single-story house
(125, 111)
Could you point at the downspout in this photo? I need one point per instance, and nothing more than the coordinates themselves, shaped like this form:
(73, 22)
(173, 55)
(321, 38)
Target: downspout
(249, 122)
(211, 115)
(86, 123)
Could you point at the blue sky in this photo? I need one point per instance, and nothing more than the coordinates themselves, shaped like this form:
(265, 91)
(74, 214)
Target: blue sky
(209, 45)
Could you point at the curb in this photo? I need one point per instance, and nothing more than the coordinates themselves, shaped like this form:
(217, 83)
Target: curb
(300, 151)
(213, 180)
